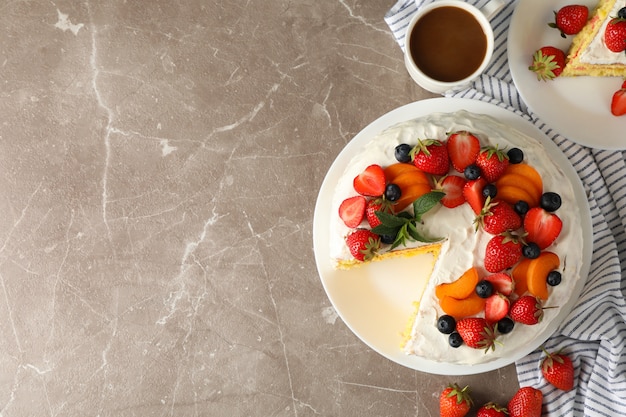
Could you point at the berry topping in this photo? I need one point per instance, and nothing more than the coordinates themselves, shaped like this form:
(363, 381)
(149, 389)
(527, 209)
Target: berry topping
(521, 207)
(615, 34)
(393, 192)
(502, 283)
(446, 324)
(516, 155)
(502, 252)
(471, 172)
(548, 63)
(431, 156)
(531, 250)
(570, 19)
(403, 152)
(463, 148)
(455, 340)
(542, 227)
(452, 186)
(374, 206)
(554, 278)
(622, 13)
(492, 163)
(473, 193)
(484, 289)
(490, 190)
(370, 182)
(550, 201)
(505, 325)
(498, 217)
(476, 333)
(352, 211)
(363, 244)
(526, 310)
(496, 307)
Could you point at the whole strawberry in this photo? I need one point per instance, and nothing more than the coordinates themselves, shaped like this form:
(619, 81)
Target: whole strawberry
(502, 252)
(498, 217)
(492, 409)
(476, 333)
(615, 34)
(557, 368)
(527, 310)
(570, 19)
(454, 401)
(492, 163)
(363, 244)
(373, 206)
(431, 156)
(548, 63)
(526, 402)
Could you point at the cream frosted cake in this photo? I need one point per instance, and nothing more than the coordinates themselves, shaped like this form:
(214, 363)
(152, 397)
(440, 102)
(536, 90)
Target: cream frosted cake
(589, 54)
(488, 262)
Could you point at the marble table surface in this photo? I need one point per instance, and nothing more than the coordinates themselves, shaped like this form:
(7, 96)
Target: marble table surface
(160, 167)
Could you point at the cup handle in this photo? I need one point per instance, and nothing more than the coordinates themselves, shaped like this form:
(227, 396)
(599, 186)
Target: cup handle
(491, 8)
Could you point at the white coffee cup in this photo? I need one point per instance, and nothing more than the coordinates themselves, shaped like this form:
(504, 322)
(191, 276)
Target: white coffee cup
(441, 53)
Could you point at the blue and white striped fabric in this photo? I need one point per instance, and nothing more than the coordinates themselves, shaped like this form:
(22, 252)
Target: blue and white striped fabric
(594, 334)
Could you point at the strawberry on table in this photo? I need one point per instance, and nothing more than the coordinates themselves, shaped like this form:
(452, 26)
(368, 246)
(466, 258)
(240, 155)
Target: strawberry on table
(526, 402)
(431, 156)
(455, 401)
(570, 19)
(476, 333)
(370, 182)
(452, 186)
(352, 210)
(542, 227)
(548, 63)
(526, 310)
(615, 34)
(492, 163)
(502, 252)
(557, 368)
(492, 409)
(463, 148)
(363, 244)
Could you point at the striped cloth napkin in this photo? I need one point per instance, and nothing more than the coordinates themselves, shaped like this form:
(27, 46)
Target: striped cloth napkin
(594, 334)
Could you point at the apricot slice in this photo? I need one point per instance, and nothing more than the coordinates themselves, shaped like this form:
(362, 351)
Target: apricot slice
(409, 195)
(512, 194)
(520, 276)
(394, 170)
(409, 178)
(538, 272)
(458, 309)
(527, 171)
(462, 288)
(520, 181)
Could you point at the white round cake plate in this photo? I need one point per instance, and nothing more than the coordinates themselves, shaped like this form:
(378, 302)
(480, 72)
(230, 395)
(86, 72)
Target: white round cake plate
(375, 300)
(579, 108)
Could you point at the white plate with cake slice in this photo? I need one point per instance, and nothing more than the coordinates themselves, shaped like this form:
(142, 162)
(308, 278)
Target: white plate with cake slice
(376, 300)
(579, 108)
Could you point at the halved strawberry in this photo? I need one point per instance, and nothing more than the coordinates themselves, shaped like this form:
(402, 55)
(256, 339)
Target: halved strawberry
(473, 193)
(492, 163)
(370, 182)
(542, 227)
(363, 244)
(452, 186)
(496, 307)
(352, 210)
(463, 148)
(502, 282)
(618, 102)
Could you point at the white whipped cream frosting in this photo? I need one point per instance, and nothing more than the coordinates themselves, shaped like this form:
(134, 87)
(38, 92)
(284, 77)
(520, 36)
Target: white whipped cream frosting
(597, 52)
(463, 247)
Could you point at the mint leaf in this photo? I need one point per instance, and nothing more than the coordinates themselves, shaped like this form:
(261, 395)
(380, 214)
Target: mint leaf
(391, 220)
(426, 202)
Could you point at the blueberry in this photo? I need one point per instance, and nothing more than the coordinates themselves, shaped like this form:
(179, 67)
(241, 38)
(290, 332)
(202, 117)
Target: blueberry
(484, 289)
(403, 152)
(531, 250)
(387, 239)
(505, 325)
(455, 340)
(521, 207)
(622, 13)
(490, 190)
(446, 324)
(472, 172)
(516, 155)
(393, 192)
(550, 201)
(554, 278)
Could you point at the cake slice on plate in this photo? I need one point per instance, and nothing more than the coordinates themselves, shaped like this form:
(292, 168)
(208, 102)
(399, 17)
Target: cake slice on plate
(588, 54)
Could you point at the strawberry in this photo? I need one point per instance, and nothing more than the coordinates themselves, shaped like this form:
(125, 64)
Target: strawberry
(548, 63)
(492, 163)
(618, 101)
(370, 182)
(615, 34)
(363, 244)
(473, 193)
(570, 19)
(431, 156)
(526, 402)
(496, 307)
(502, 252)
(492, 410)
(498, 217)
(352, 210)
(377, 204)
(476, 333)
(452, 186)
(558, 369)
(542, 227)
(526, 310)
(463, 148)
(501, 282)
(454, 401)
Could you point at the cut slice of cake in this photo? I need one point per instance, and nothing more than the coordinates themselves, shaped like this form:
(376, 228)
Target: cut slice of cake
(588, 54)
